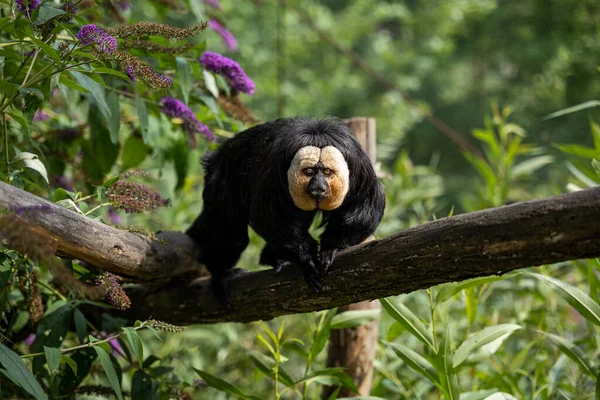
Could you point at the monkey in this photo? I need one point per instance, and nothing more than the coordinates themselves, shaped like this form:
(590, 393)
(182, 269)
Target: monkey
(274, 177)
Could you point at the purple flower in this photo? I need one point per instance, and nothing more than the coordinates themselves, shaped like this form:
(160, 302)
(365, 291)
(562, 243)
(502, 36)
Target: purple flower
(29, 339)
(114, 217)
(40, 115)
(29, 7)
(91, 34)
(129, 72)
(227, 36)
(229, 69)
(213, 3)
(176, 109)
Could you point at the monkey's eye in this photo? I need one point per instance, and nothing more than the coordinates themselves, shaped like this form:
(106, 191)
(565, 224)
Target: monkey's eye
(308, 171)
(327, 171)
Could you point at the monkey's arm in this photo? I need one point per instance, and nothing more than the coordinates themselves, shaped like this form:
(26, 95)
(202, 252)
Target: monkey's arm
(351, 224)
(291, 243)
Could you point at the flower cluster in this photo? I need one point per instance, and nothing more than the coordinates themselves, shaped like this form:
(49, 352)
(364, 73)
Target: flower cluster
(176, 109)
(229, 69)
(145, 29)
(27, 6)
(153, 47)
(91, 34)
(70, 9)
(138, 69)
(133, 197)
(227, 36)
(113, 291)
(234, 107)
(28, 285)
(164, 326)
(40, 116)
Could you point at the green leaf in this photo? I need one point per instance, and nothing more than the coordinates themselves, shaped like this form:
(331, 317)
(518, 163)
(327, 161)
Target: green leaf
(417, 362)
(449, 377)
(569, 110)
(47, 50)
(110, 71)
(135, 152)
(210, 83)
(136, 344)
(33, 162)
(223, 386)
(109, 368)
(104, 151)
(80, 325)
(197, 8)
(340, 377)
(16, 370)
(96, 90)
(531, 165)
(265, 364)
(479, 339)
(596, 165)
(501, 396)
(142, 112)
(479, 395)
(70, 362)
(353, 318)
(409, 321)
(143, 387)
(184, 71)
(574, 296)
(52, 358)
(8, 89)
(322, 335)
(574, 352)
(46, 13)
(578, 150)
(447, 290)
(114, 123)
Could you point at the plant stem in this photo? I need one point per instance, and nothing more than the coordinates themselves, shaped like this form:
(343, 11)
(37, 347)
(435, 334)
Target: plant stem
(5, 131)
(97, 207)
(53, 290)
(435, 341)
(30, 66)
(87, 345)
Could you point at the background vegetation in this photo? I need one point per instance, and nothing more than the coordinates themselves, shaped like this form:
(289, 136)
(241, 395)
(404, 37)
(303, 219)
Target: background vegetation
(78, 119)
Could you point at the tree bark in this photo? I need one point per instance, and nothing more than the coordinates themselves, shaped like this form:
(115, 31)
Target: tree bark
(354, 348)
(487, 242)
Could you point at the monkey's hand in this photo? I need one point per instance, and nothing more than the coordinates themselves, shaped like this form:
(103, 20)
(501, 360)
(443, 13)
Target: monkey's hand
(326, 258)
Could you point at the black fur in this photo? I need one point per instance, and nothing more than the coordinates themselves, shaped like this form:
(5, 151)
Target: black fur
(246, 184)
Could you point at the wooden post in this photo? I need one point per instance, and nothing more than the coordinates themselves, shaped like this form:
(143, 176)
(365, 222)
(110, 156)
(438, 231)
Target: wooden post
(354, 348)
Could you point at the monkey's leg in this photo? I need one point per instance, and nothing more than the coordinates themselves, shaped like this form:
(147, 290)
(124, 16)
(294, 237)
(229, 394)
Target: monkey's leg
(269, 256)
(222, 240)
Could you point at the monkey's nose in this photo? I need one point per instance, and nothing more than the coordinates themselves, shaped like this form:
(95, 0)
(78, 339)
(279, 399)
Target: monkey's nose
(318, 194)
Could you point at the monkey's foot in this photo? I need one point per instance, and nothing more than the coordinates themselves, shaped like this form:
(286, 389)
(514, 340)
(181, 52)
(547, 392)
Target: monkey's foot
(280, 264)
(312, 276)
(326, 258)
(220, 285)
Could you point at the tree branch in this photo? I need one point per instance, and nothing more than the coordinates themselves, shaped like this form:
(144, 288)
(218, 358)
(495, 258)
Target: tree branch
(488, 242)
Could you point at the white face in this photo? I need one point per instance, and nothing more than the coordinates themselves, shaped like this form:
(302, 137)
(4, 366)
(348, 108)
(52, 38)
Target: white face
(336, 174)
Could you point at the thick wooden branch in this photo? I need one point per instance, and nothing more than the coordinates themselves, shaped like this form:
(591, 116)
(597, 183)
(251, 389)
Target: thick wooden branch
(125, 253)
(487, 242)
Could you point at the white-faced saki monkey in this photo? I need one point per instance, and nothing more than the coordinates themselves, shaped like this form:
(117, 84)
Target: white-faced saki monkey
(275, 177)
